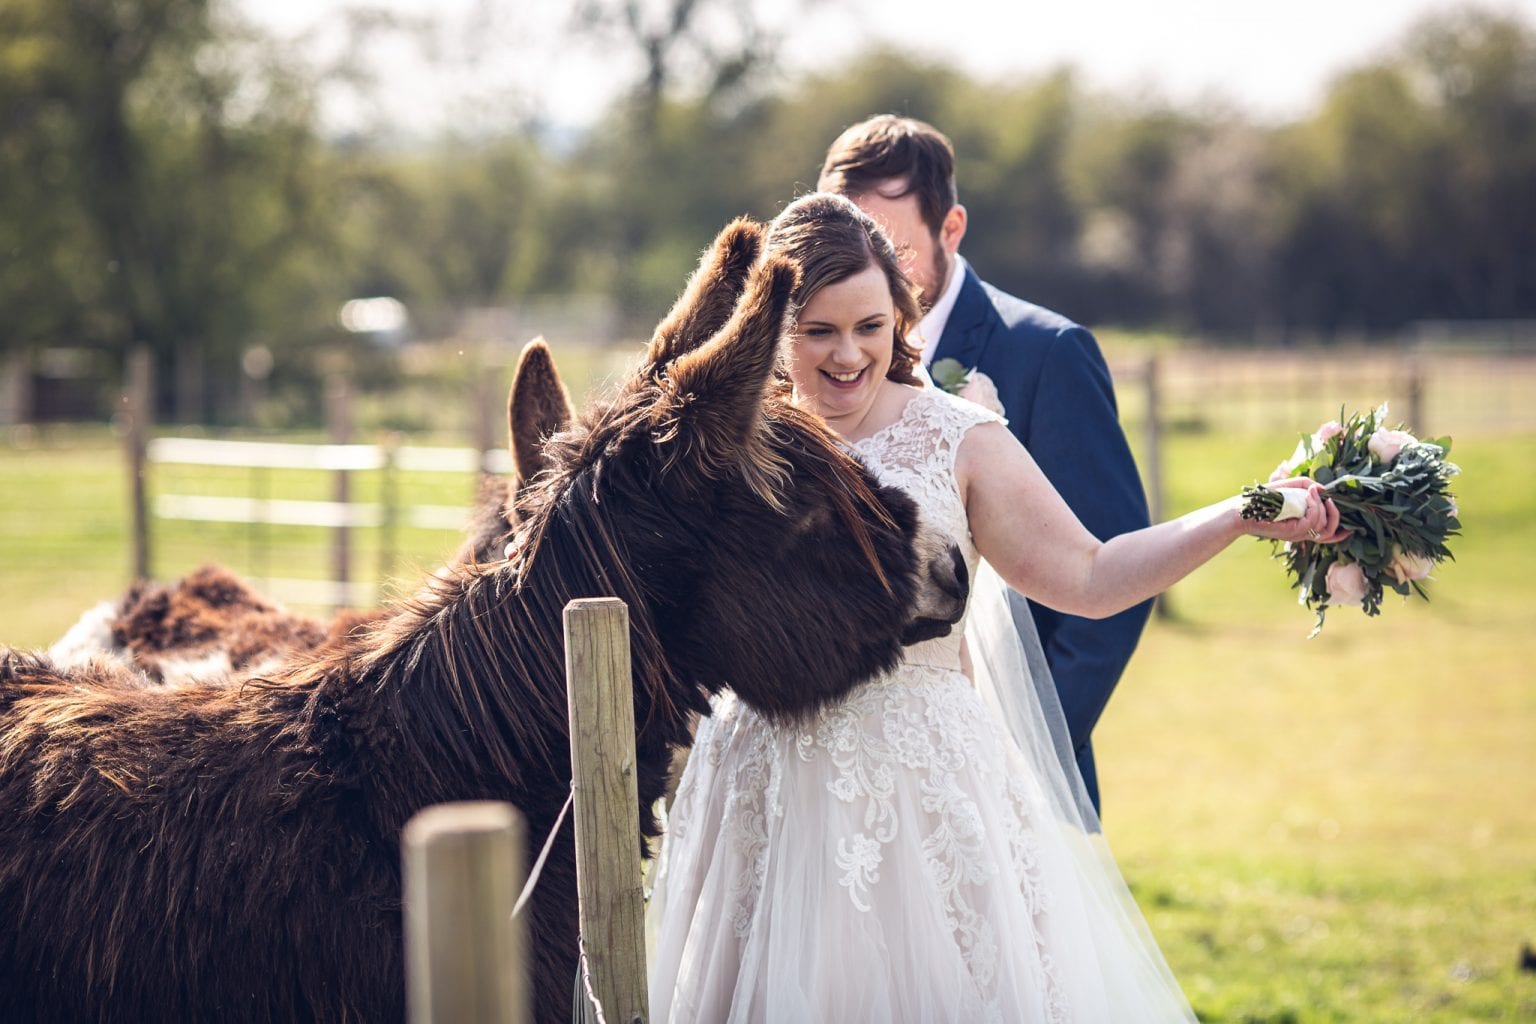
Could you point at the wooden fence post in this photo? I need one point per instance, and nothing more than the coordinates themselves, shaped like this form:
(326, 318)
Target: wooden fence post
(1414, 385)
(16, 389)
(338, 415)
(465, 953)
(1153, 471)
(482, 410)
(608, 878)
(389, 506)
(138, 411)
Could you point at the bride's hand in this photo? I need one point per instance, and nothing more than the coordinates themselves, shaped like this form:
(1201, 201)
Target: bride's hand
(1319, 524)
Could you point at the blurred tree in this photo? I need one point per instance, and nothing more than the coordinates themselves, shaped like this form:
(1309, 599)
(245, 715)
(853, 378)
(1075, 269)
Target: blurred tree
(702, 62)
(1475, 71)
(170, 152)
(1120, 172)
(1216, 258)
(1409, 195)
(50, 273)
(1011, 168)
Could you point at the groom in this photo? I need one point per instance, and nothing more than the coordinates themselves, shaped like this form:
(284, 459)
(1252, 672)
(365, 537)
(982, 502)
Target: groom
(1049, 374)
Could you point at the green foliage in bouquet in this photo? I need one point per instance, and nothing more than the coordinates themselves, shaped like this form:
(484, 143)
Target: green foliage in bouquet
(1392, 492)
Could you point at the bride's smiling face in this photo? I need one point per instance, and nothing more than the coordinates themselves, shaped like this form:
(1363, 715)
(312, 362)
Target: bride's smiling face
(842, 346)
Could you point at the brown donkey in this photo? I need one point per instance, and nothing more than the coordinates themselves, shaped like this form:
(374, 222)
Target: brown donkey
(231, 852)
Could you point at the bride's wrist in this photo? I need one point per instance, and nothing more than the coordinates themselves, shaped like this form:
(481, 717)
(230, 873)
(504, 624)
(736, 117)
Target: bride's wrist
(1232, 517)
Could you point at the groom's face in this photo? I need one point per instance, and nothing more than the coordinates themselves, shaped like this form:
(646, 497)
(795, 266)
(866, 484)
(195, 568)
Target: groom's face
(924, 256)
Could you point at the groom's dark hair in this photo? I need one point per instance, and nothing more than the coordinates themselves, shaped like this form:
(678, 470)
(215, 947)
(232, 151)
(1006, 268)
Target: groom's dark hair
(885, 148)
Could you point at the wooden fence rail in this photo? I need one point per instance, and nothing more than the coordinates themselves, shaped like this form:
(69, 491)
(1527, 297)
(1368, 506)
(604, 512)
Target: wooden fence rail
(339, 515)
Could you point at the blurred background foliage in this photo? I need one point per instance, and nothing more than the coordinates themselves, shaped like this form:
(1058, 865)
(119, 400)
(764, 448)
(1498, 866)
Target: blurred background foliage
(168, 182)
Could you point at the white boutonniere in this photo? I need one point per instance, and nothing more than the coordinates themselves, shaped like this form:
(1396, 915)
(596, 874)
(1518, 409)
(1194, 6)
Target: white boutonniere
(951, 375)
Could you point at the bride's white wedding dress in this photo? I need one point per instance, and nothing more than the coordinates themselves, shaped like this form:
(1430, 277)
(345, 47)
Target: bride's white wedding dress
(916, 852)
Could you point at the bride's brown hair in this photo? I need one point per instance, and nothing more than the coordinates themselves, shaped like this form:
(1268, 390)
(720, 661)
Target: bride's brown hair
(830, 240)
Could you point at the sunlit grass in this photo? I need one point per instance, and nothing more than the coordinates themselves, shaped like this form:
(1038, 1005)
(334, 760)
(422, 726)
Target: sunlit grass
(1340, 828)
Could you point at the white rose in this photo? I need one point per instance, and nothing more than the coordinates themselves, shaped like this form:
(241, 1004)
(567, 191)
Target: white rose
(1385, 444)
(979, 388)
(1287, 469)
(1346, 584)
(1406, 566)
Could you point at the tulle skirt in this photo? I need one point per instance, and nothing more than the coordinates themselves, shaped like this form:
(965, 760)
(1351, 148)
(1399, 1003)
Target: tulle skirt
(891, 860)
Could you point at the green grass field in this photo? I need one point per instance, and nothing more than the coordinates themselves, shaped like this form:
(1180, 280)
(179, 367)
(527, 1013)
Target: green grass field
(1339, 829)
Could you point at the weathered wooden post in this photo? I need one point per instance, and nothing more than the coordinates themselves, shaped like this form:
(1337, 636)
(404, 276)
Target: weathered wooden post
(16, 389)
(608, 879)
(389, 506)
(338, 415)
(1153, 469)
(482, 410)
(465, 953)
(1414, 386)
(138, 410)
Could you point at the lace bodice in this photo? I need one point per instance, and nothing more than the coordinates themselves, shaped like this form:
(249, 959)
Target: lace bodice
(917, 453)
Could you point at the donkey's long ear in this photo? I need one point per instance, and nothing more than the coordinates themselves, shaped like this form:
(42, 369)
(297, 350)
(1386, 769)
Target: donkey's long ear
(713, 395)
(711, 293)
(537, 406)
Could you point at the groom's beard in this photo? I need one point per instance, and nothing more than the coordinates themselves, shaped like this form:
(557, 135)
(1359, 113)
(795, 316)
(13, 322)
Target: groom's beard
(939, 271)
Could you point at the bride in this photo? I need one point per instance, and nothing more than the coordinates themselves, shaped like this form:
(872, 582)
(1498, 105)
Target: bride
(922, 850)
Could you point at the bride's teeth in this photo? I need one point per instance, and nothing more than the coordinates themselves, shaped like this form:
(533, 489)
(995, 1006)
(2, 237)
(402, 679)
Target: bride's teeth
(845, 378)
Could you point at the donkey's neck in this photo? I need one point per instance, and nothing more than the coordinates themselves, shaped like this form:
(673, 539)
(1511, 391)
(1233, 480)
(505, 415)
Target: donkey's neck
(462, 695)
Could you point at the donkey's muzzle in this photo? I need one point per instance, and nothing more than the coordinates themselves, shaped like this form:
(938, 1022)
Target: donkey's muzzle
(942, 593)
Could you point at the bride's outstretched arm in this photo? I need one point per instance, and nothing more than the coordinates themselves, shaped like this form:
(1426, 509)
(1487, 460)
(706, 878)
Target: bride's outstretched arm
(1024, 528)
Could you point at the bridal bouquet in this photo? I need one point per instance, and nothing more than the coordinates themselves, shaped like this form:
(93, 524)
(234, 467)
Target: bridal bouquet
(1392, 493)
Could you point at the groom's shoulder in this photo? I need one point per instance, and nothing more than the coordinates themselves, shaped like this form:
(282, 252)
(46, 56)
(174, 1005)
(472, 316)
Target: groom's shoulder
(1024, 317)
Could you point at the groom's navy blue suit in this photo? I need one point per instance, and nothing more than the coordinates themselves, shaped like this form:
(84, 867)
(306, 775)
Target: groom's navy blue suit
(1060, 403)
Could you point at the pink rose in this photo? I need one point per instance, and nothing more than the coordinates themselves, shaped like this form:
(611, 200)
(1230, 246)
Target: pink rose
(979, 388)
(1405, 566)
(1346, 584)
(1320, 438)
(1287, 469)
(1385, 444)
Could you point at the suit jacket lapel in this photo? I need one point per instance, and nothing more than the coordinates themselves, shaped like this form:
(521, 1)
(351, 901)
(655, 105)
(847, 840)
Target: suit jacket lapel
(969, 325)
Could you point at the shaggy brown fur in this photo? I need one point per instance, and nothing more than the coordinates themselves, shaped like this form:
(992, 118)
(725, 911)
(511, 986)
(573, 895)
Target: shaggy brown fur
(211, 612)
(231, 852)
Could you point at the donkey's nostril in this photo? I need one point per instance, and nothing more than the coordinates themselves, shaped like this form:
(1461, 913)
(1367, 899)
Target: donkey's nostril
(950, 575)
(962, 577)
